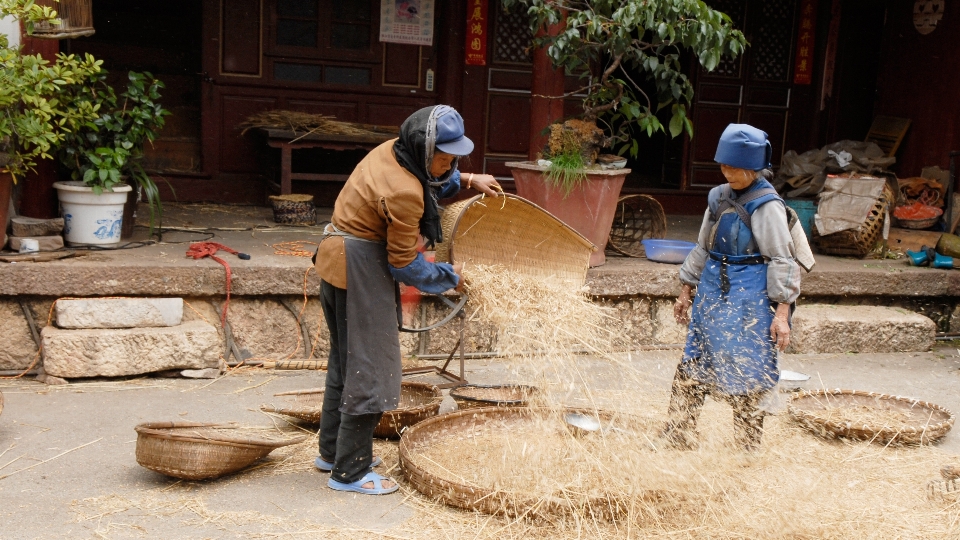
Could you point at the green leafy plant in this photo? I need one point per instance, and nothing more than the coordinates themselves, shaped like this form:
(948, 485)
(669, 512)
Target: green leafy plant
(608, 42)
(108, 149)
(34, 120)
(567, 164)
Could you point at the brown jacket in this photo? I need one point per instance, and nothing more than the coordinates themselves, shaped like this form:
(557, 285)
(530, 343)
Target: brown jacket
(380, 201)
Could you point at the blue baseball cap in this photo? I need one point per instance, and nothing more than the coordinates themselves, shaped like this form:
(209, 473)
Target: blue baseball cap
(450, 135)
(744, 147)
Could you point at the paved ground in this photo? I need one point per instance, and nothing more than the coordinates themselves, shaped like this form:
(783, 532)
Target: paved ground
(68, 469)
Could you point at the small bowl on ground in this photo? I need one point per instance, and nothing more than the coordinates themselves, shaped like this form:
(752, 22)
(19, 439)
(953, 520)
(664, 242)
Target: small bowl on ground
(667, 251)
(471, 396)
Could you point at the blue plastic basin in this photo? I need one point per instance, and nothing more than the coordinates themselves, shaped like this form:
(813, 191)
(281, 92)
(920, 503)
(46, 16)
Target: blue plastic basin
(667, 251)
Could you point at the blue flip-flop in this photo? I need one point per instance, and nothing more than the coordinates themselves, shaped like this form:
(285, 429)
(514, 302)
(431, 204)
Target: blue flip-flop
(357, 487)
(327, 466)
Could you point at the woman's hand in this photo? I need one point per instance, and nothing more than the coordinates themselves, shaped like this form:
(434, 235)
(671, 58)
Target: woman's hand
(681, 309)
(780, 328)
(484, 183)
(458, 269)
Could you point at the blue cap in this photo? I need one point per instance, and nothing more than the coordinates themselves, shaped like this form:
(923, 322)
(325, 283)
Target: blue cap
(744, 147)
(450, 135)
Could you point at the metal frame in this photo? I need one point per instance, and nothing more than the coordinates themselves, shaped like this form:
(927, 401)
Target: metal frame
(456, 311)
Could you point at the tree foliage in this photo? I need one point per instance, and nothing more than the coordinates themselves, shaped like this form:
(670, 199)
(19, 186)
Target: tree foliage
(607, 41)
(34, 120)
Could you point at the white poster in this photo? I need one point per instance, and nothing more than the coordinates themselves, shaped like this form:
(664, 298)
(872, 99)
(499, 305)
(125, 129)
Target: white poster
(407, 21)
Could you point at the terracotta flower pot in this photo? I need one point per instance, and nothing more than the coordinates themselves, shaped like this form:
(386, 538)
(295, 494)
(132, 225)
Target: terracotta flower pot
(588, 209)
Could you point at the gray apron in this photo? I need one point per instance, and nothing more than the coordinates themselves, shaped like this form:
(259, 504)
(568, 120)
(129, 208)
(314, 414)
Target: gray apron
(371, 383)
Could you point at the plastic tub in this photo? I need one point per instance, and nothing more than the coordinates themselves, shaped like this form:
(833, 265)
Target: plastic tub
(805, 209)
(667, 251)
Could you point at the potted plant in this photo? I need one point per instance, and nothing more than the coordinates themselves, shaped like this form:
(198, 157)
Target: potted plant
(627, 53)
(33, 118)
(104, 156)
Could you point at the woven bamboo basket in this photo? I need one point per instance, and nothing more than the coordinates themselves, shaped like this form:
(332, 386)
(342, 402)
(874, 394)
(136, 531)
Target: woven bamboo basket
(861, 241)
(926, 422)
(451, 489)
(638, 217)
(513, 232)
(199, 451)
(418, 401)
(475, 396)
(294, 209)
(74, 19)
(306, 405)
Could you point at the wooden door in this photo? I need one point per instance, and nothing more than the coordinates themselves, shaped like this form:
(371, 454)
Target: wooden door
(753, 89)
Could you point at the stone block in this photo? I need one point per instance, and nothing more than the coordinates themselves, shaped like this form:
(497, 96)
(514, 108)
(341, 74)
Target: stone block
(47, 243)
(17, 348)
(33, 227)
(264, 328)
(112, 352)
(666, 330)
(822, 328)
(119, 312)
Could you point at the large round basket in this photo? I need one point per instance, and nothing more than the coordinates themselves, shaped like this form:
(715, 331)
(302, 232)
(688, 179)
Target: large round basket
(870, 416)
(515, 233)
(475, 396)
(638, 217)
(198, 451)
(418, 401)
(449, 488)
(862, 240)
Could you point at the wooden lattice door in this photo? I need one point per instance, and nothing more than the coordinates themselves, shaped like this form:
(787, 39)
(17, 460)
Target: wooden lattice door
(753, 89)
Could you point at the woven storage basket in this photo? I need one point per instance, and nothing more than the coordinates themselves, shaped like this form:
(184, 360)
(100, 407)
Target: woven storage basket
(638, 217)
(474, 396)
(450, 488)
(515, 233)
(294, 209)
(418, 401)
(197, 451)
(859, 242)
(926, 422)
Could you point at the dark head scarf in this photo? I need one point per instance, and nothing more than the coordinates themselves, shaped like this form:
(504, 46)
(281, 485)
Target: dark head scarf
(414, 150)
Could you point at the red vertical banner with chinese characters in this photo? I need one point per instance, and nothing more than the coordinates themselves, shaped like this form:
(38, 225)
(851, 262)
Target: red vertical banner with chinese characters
(806, 36)
(476, 33)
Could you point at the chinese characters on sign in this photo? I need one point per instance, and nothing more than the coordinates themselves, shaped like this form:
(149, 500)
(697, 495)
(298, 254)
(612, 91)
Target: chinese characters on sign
(803, 68)
(407, 21)
(476, 33)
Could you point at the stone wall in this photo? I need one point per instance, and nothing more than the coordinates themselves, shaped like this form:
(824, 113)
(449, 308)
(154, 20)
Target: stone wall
(267, 328)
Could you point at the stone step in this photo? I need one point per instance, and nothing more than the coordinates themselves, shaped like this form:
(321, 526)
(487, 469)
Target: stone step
(119, 312)
(110, 352)
(823, 328)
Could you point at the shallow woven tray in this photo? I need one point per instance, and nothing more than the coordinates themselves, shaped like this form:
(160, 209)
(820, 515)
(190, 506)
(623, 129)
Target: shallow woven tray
(472, 396)
(418, 401)
(513, 232)
(450, 490)
(198, 451)
(927, 422)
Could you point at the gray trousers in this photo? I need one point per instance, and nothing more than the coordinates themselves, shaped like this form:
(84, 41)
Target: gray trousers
(687, 397)
(345, 439)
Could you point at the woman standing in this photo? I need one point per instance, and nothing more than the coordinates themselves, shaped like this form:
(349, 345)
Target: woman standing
(746, 280)
(389, 201)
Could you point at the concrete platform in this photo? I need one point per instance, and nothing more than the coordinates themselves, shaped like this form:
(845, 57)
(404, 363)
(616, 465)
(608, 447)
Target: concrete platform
(163, 269)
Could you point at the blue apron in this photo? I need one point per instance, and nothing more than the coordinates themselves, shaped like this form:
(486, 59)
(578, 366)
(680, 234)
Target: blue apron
(728, 343)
